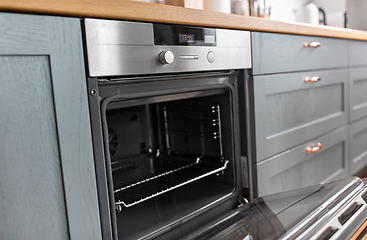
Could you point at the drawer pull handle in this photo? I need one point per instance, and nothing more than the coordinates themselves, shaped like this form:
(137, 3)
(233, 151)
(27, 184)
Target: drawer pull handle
(312, 79)
(313, 44)
(314, 149)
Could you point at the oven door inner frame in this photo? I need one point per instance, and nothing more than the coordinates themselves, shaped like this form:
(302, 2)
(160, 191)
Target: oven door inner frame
(124, 93)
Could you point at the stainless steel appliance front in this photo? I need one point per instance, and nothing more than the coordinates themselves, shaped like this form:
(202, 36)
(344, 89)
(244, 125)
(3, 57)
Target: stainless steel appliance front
(128, 48)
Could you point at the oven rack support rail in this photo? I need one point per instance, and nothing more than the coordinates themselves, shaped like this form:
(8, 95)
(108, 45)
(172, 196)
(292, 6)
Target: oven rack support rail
(120, 203)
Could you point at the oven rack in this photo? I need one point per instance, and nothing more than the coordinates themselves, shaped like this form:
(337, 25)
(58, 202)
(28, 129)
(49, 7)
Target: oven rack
(149, 186)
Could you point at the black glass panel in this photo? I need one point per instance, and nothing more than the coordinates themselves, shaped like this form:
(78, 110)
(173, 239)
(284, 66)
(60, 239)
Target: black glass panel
(165, 34)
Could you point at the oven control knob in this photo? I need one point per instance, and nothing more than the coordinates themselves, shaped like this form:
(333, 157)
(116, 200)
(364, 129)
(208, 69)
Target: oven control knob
(211, 57)
(166, 57)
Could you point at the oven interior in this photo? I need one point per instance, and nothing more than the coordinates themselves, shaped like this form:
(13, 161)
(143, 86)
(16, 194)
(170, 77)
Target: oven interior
(172, 157)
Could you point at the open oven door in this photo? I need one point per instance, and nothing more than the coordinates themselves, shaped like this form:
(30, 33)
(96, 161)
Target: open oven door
(335, 210)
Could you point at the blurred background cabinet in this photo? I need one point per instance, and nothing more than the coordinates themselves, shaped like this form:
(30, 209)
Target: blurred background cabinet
(358, 105)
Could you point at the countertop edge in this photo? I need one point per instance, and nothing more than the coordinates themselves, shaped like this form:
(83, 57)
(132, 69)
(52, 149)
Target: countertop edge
(150, 12)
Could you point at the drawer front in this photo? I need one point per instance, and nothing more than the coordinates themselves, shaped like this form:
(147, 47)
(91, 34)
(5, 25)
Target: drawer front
(358, 93)
(277, 53)
(357, 53)
(297, 168)
(290, 111)
(358, 146)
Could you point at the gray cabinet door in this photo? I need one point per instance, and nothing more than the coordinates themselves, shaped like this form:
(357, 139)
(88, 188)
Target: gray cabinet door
(47, 179)
(358, 146)
(290, 111)
(358, 93)
(357, 53)
(296, 168)
(278, 53)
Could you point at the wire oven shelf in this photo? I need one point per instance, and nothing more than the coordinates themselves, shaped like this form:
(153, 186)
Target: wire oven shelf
(143, 185)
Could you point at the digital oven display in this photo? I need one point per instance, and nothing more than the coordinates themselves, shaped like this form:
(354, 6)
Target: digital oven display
(187, 38)
(166, 34)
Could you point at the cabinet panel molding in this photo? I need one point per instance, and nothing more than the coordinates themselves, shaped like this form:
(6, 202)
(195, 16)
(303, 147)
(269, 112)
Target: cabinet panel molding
(28, 36)
(73, 123)
(357, 53)
(358, 146)
(32, 196)
(279, 53)
(289, 111)
(358, 93)
(296, 168)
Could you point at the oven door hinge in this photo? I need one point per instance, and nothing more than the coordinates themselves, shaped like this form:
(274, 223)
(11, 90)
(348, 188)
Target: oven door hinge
(242, 201)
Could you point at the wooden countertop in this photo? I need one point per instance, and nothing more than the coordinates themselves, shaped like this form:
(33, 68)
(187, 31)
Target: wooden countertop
(149, 12)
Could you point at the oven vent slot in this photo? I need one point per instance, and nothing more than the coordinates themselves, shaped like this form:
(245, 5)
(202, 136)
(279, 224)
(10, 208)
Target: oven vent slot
(328, 233)
(349, 213)
(141, 184)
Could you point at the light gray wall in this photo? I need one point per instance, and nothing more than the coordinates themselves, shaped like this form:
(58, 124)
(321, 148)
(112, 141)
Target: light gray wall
(285, 10)
(357, 17)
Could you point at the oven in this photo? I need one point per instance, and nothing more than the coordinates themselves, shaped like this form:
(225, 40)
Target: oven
(165, 122)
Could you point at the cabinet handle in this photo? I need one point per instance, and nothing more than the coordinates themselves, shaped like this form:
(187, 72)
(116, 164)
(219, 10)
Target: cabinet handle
(312, 79)
(314, 149)
(313, 44)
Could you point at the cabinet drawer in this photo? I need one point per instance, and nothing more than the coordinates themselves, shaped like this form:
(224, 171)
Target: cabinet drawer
(357, 53)
(290, 111)
(277, 53)
(358, 146)
(297, 168)
(358, 93)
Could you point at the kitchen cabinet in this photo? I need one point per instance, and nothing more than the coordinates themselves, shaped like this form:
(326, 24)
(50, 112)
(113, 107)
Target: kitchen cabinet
(278, 53)
(297, 168)
(301, 95)
(290, 111)
(358, 92)
(358, 145)
(358, 105)
(47, 178)
(357, 53)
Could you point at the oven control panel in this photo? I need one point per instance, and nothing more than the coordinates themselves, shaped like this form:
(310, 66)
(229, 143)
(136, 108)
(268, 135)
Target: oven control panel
(121, 48)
